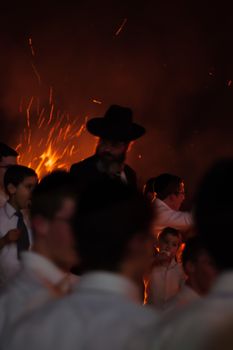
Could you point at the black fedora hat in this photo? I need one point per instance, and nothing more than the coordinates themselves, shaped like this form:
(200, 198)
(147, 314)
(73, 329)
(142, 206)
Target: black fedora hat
(117, 124)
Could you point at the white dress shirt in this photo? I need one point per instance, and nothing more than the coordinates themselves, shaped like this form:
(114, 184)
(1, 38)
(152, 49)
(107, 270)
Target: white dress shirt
(165, 282)
(3, 198)
(102, 313)
(185, 296)
(195, 325)
(9, 262)
(167, 217)
(30, 289)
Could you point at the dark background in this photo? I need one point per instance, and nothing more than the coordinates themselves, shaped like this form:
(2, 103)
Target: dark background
(172, 63)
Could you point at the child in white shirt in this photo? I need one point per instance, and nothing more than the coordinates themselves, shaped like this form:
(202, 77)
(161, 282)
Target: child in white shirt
(167, 276)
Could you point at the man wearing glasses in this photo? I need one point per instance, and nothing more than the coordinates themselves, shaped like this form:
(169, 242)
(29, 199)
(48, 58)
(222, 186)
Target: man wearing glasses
(8, 157)
(170, 194)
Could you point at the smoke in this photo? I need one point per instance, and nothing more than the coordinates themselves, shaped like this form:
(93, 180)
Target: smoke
(169, 63)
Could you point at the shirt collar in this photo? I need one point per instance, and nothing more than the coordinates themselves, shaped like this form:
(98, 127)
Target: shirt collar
(42, 266)
(110, 283)
(161, 203)
(10, 211)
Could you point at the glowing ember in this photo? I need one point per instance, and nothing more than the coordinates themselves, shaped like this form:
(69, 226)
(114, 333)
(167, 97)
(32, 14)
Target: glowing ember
(97, 101)
(31, 47)
(49, 140)
(229, 83)
(121, 27)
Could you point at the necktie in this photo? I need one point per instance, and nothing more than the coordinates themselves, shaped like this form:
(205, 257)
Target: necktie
(23, 241)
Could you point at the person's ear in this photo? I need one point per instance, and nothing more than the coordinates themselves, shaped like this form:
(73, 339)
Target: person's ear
(11, 189)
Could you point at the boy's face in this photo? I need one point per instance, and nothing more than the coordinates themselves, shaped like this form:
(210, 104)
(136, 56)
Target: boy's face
(169, 244)
(20, 196)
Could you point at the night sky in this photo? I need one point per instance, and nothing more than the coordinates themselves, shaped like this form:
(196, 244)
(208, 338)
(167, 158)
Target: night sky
(172, 63)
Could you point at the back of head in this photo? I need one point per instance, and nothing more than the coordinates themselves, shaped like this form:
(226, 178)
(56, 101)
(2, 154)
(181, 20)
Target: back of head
(110, 215)
(166, 184)
(214, 211)
(16, 174)
(7, 151)
(49, 194)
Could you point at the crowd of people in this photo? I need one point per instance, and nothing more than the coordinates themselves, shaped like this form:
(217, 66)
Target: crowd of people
(88, 260)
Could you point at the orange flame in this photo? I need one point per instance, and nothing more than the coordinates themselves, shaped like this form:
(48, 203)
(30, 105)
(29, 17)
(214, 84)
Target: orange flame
(49, 140)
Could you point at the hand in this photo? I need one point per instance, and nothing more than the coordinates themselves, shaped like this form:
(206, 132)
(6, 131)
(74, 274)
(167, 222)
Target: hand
(161, 259)
(12, 236)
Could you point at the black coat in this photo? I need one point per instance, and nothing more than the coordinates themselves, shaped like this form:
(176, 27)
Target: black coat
(86, 173)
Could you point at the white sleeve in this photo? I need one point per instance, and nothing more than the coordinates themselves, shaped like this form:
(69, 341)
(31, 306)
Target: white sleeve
(176, 219)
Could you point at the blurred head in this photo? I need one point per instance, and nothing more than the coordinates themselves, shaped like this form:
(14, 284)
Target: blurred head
(113, 226)
(19, 182)
(214, 210)
(110, 151)
(198, 266)
(8, 157)
(169, 241)
(170, 189)
(52, 209)
(149, 191)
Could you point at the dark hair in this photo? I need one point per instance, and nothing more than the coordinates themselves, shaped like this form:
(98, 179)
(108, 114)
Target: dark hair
(49, 194)
(166, 184)
(15, 175)
(169, 231)
(214, 212)
(149, 186)
(110, 215)
(193, 249)
(7, 151)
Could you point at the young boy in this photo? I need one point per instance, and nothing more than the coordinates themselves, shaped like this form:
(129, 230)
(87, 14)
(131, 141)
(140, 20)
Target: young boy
(44, 272)
(15, 235)
(167, 276)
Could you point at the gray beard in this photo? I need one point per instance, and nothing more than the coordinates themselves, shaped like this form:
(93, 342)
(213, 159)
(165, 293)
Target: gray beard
(111, 168)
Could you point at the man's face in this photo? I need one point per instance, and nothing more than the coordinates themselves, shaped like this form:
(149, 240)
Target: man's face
(112, 151)
(60, 237)
(21, 195)
(5, 163)
(178, 197)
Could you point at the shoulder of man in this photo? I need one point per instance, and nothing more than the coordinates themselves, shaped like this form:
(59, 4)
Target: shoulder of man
(82, 165)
